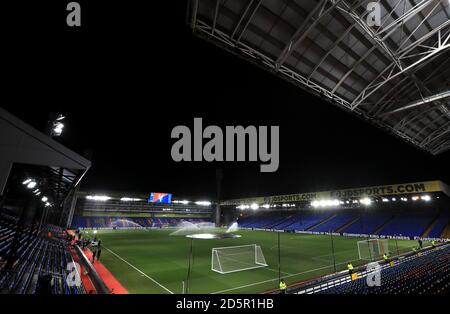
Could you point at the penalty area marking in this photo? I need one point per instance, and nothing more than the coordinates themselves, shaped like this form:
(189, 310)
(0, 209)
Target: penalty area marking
(138, 270)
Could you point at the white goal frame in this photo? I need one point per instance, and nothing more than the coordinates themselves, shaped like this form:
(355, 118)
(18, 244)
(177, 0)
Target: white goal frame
(382, 246)
(259, 262)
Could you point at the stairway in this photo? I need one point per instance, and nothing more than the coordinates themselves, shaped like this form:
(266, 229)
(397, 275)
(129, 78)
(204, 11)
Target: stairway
(430, 227)
(378, 230)
(339, 230)
(321, 222)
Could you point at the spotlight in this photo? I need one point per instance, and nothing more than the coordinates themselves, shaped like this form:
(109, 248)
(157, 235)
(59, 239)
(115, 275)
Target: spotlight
(31, 185)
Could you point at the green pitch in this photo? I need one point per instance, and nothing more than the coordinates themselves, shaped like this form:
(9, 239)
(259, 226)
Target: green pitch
(152, 261)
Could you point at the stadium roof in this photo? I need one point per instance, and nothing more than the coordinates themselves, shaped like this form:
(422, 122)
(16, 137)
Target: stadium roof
(359, 192)
(38, 156)
(396, 76)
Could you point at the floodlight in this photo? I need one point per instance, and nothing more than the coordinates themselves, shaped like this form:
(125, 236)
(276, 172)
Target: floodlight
(99, 198)
(181, 202)
(57, 128)
(44, 199)
(385, 200)
(31, 184)
(203, 203)
(60, 117)
(426, 198)
(254, 206)
(365, 201)
(266, 206)
(130, 199)
(26, 181)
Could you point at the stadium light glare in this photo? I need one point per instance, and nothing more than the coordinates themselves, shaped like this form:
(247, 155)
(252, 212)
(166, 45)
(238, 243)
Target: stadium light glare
(98, 198)
(47, 204)
(60, 117)
(130, 199)
(325, 203)
(57, 128)
(415, 198)
(426, 198)
(26, 181)
(44, 199)
(184, 202)
(385, 200)
(254, 206)
(365, 201)
(36, 191)
(203, 203)
(265, 206)
(394, 199)
(31, 185)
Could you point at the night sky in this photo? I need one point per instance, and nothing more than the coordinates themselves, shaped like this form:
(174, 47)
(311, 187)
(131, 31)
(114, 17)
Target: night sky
(135, 71)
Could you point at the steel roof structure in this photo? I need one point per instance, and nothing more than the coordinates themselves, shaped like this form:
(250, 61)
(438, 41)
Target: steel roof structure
(395, 74)
(34, 154)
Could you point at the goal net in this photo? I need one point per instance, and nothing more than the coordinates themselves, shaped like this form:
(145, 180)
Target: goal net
(237, 258)
(372, 249)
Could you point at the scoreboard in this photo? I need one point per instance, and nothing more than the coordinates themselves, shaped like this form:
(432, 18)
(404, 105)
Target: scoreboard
(156, 197)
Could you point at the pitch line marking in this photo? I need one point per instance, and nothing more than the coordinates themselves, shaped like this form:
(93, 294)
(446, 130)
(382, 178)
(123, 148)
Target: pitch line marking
(138, 270)
(270, 280)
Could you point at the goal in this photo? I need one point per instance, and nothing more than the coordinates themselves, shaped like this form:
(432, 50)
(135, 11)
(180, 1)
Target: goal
(232, 259)
(372, 249)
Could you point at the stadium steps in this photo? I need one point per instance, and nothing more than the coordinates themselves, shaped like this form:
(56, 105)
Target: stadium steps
(321, 222)
(273, 225)
(430, 227)
(345, 226)
(380, 228)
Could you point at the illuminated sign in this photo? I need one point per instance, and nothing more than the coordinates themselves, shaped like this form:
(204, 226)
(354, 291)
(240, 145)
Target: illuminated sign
(160, 197)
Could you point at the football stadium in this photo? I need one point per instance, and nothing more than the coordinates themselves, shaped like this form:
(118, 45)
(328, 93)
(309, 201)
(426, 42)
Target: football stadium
(60, 236)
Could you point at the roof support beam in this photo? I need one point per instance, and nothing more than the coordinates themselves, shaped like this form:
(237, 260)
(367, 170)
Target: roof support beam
(304, 30)
(216, 13)
(392, 71)
(194, 7)
(436, 135)
(250, 17)
(419, 102)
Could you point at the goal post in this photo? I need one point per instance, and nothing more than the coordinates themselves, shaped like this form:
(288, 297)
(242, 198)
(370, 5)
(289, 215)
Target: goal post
(232, 259)
(372, 249)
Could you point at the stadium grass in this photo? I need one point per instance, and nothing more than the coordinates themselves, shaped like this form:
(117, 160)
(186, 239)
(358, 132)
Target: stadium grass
(140, 259)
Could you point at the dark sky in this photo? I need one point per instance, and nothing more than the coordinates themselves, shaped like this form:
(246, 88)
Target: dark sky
(135, 70)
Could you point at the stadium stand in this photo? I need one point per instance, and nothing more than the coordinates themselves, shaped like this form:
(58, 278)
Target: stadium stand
(40, 262)
(409, 223)
(130, 222)
(426, 274)
(367, 224)
(413, 224)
